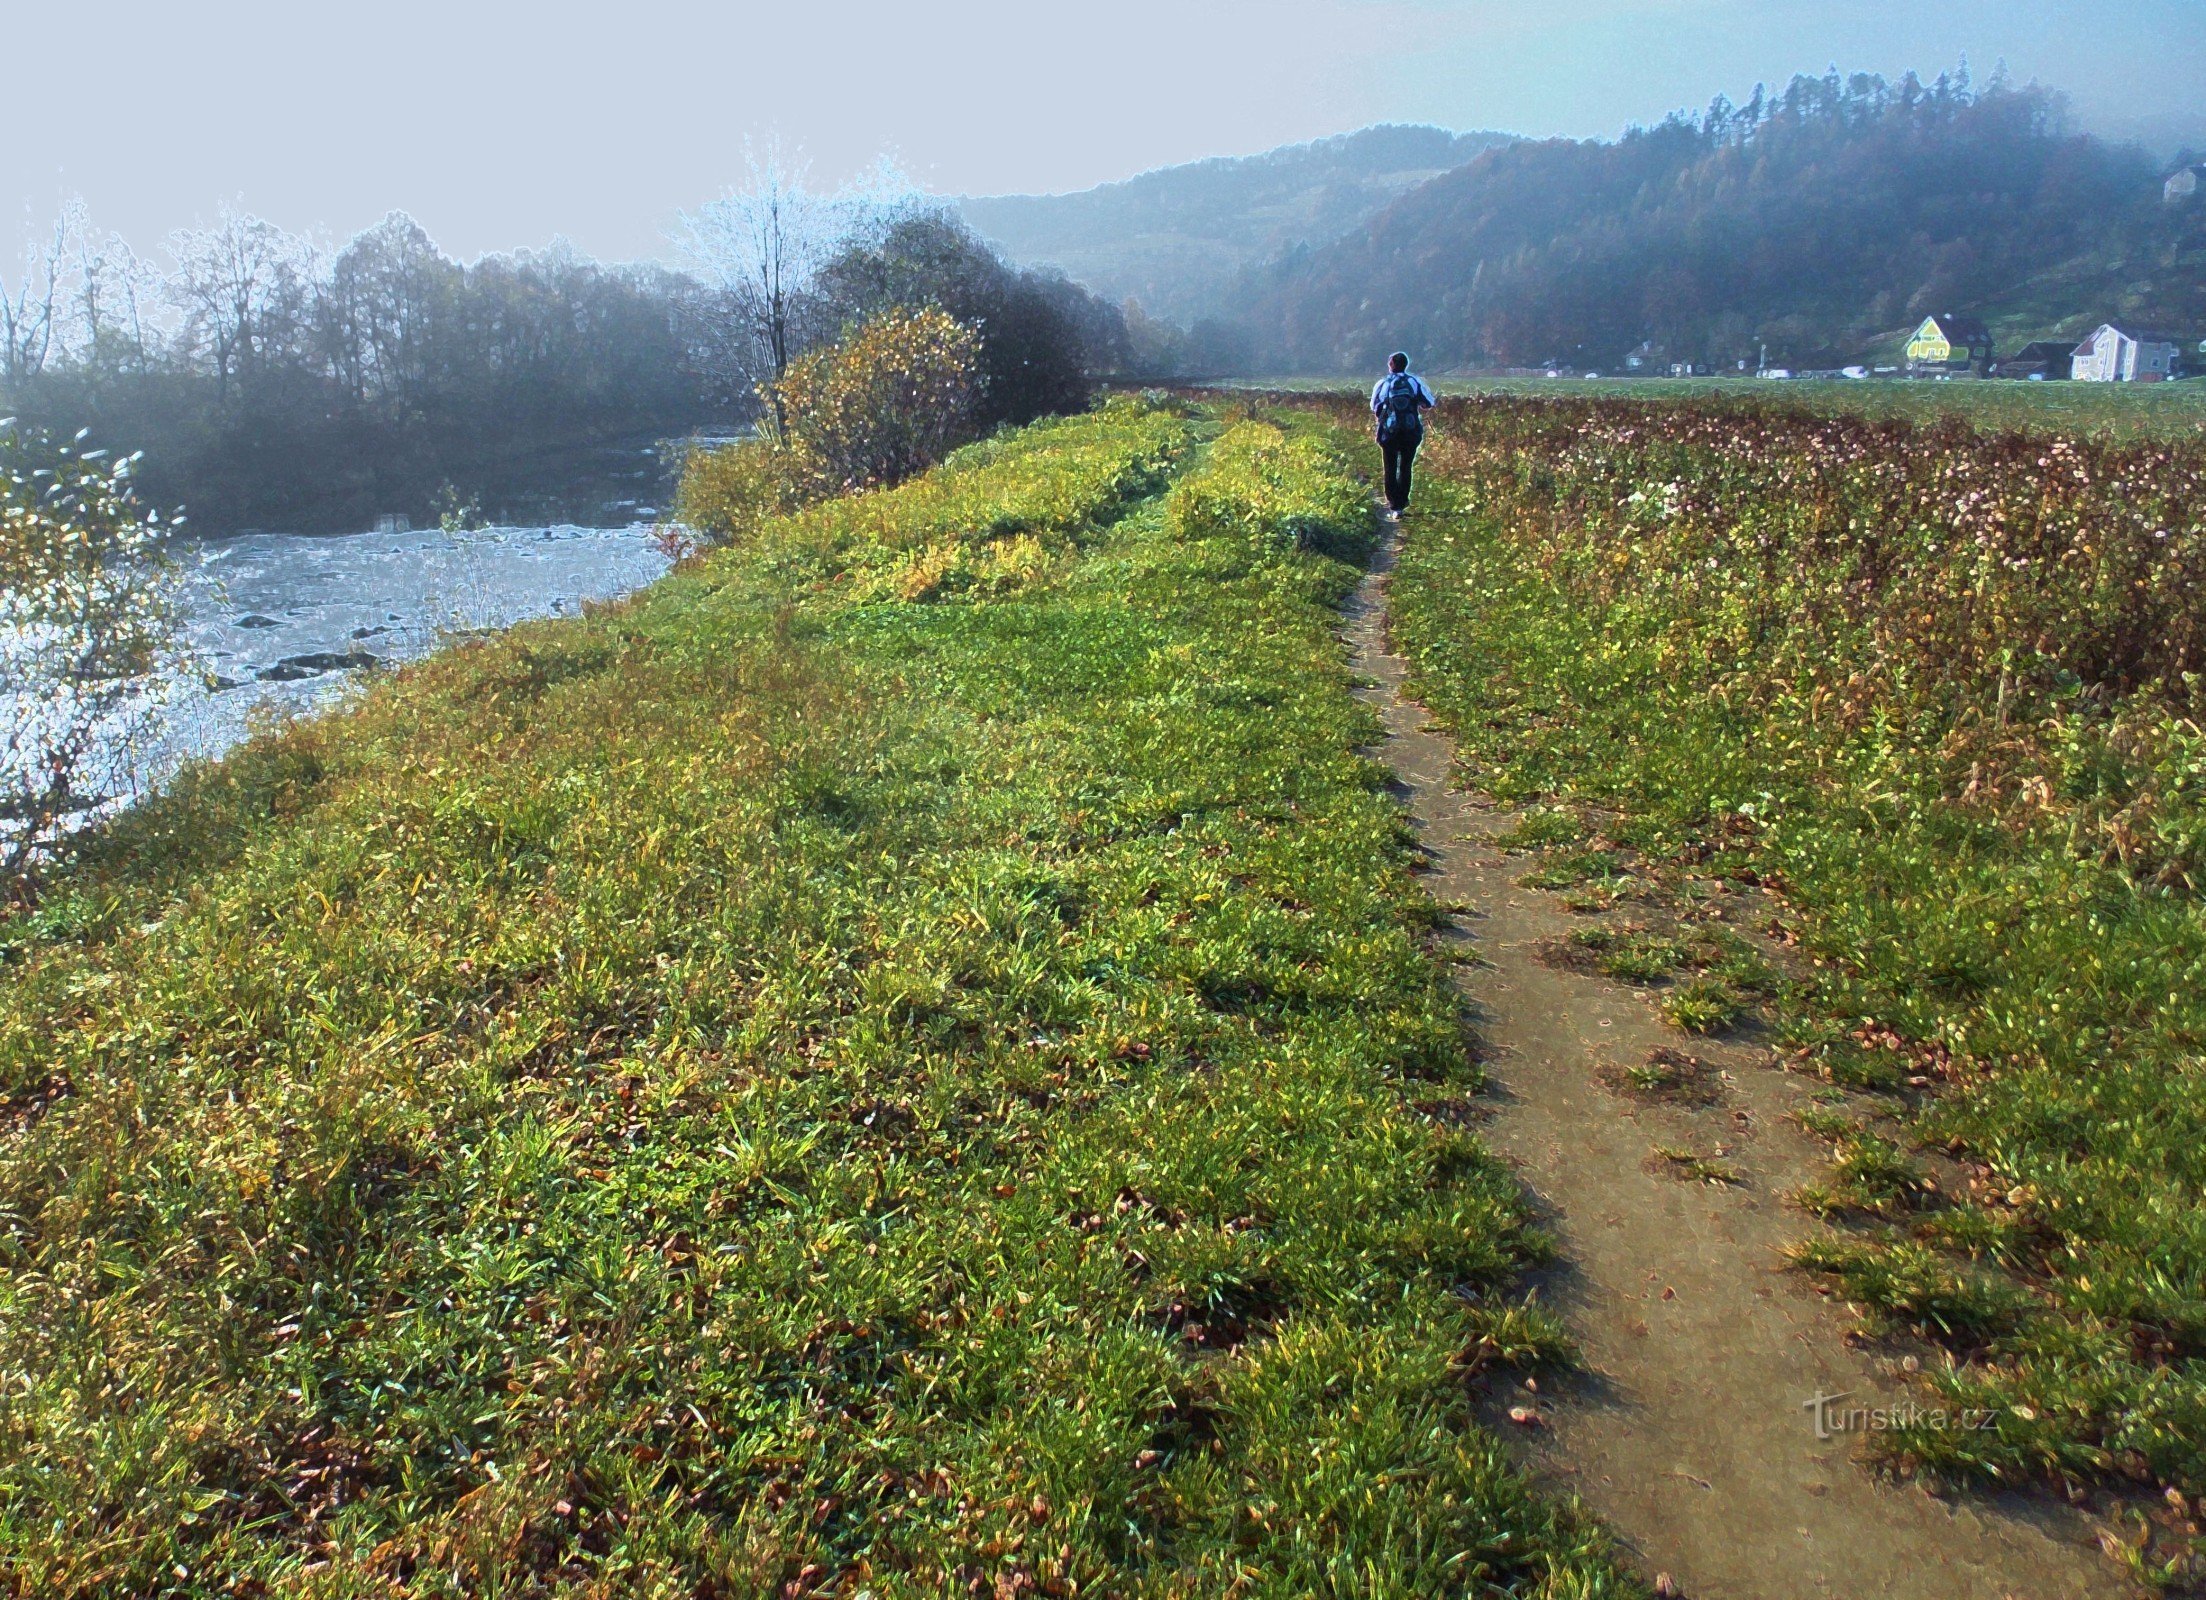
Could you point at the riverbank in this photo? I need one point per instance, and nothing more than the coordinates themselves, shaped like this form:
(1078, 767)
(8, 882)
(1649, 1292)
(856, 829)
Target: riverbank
(905, 1057)
(277, 622)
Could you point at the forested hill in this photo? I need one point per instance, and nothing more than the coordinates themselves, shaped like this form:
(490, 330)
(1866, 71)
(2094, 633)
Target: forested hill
(1824, 221)
(1174, 239)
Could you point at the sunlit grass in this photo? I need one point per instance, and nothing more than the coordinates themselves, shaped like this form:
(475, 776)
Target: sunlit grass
(810, 1080)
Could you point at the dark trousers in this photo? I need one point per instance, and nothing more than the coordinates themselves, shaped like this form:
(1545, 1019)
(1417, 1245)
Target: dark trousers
(1399, 458)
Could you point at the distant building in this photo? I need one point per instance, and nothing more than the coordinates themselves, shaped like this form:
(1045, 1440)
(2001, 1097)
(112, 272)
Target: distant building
(2184, 183)
(393, 522)
(2045, 359)
(2124, 355)
(1949, 343)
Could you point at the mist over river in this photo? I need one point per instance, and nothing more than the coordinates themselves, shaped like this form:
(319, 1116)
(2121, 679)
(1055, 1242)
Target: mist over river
(284, 623)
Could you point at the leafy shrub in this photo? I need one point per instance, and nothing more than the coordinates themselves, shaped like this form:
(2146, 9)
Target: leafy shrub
(88, 630)
(886, 402)
(1042, 336)
(728, 493)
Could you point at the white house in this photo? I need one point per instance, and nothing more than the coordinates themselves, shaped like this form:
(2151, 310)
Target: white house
(2118, 355)
(2184, 183)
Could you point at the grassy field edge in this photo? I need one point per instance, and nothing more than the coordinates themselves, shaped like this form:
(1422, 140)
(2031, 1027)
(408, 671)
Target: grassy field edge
(2023, 1192)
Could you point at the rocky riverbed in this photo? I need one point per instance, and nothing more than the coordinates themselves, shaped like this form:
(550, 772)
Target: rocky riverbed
(284, 622)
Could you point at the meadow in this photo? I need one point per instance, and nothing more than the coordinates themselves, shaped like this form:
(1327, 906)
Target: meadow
(902, 1060)
(1935, 689)
(2174, 411)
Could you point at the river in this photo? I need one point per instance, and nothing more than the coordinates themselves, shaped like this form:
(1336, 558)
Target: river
(284, 623)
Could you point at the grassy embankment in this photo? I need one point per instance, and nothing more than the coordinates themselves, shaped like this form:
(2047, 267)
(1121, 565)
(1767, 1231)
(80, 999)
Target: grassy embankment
(1937, 689)
(902, 1059)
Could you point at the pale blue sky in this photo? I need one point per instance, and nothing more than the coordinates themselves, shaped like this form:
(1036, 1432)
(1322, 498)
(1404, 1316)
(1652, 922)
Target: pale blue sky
(502, 125)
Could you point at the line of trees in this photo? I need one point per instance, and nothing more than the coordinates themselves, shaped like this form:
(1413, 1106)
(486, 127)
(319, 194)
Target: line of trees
(271, 382)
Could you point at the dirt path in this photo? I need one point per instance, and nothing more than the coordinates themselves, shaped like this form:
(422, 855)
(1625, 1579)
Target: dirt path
(1692, 1433)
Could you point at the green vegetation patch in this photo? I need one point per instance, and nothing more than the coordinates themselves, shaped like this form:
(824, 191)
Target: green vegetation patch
(2107, 410)
(1935, 691)
(1688, 1167)
(794, 1084)
(1671, 1076)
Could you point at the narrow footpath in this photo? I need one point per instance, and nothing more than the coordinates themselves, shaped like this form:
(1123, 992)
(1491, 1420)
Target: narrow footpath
(1693, 1430)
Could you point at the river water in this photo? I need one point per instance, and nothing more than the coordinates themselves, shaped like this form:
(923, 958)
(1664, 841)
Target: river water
(284, 623)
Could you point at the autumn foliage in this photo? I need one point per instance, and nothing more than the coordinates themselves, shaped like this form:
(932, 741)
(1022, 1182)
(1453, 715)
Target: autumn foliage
(887, 401)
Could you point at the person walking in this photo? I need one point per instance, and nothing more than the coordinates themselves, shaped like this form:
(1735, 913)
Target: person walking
(1399, 402)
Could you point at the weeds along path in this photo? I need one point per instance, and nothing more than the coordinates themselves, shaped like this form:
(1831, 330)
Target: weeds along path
(1692, 1432)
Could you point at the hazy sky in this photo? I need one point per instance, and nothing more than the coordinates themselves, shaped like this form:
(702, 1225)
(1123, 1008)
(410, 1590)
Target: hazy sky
(500, 126)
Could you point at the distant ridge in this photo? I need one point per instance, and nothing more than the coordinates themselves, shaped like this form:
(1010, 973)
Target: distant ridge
(1176, 238)
(1812, 227)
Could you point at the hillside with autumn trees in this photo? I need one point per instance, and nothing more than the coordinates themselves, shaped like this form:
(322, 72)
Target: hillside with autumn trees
(1820, 222)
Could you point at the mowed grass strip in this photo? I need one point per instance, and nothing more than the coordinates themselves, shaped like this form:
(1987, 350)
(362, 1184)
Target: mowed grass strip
(804, 1083)
(1969, 770)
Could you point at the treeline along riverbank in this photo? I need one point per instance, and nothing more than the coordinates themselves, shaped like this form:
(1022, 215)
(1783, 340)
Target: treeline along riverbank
(271, 386)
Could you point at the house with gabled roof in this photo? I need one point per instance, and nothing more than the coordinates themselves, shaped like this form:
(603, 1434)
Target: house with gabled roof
(2043, 359)
(2114, 354)
(1949, 343)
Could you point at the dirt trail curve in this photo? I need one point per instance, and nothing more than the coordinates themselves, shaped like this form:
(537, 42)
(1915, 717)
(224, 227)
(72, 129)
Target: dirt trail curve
(1691, 1433)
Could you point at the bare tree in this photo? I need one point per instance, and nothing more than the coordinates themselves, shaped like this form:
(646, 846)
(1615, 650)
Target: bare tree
(240, 286)
(764, 242)
(108, 282)
(27, 306)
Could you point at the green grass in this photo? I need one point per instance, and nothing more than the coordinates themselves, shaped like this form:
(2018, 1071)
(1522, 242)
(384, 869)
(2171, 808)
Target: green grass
(1702, 1005)
(1691, 1168)
(2117, 410)
(1669, 1074)
(2032, 996)
(1633, 954)
(887, 1063)
(1869, 1173)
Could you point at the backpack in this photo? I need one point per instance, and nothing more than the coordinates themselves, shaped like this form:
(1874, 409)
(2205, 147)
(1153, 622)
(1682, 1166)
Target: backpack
(1400, 418)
